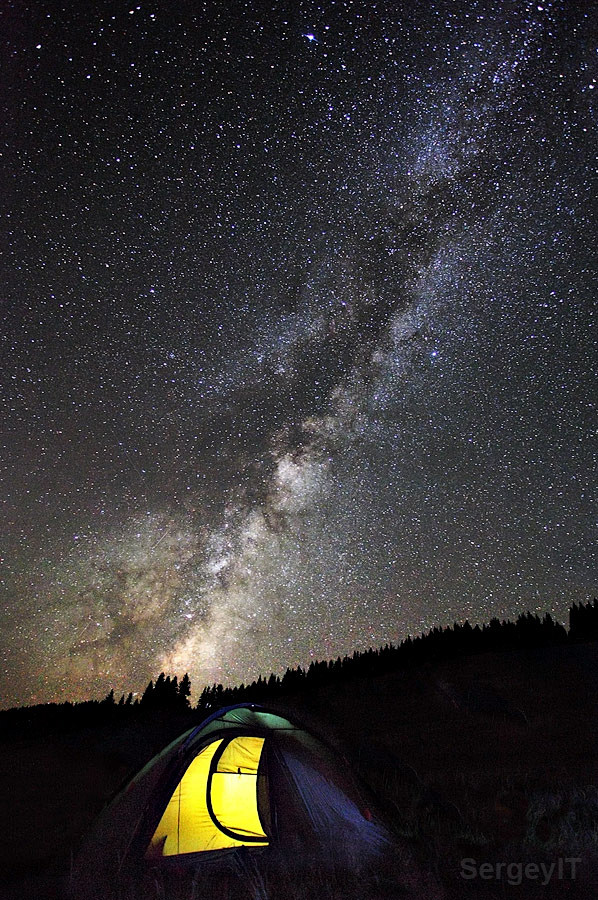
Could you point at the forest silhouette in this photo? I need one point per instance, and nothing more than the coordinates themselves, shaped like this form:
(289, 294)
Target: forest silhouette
(169, 695)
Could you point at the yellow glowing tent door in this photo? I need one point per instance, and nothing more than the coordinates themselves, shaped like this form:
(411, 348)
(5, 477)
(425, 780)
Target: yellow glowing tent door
(215, 804)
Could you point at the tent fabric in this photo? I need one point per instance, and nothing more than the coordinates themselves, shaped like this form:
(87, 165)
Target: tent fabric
(236, 717)
(214, 801)
(186, 825)
(333, 815)
(242, 754)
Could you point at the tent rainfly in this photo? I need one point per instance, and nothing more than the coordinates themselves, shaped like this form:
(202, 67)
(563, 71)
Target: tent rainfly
(245, 781)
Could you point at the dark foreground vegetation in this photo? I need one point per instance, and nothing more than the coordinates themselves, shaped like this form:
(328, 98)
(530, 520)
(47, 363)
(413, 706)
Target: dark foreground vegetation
(481, 745)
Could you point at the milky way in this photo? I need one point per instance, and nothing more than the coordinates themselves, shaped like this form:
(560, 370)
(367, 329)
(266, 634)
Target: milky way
(299, 349)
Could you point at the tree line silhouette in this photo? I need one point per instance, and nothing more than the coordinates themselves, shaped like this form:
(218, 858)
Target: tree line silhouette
(169, 695)
(527, 632)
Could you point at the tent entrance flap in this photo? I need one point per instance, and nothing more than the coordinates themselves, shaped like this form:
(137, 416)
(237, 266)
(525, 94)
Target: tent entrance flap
(215, 804)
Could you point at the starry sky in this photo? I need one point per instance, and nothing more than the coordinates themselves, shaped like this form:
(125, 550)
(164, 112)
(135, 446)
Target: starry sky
(298, 330)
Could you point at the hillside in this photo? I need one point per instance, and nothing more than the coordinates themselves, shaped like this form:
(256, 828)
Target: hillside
(490, 756)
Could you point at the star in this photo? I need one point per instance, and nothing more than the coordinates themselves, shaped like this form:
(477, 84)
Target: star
(297, 358)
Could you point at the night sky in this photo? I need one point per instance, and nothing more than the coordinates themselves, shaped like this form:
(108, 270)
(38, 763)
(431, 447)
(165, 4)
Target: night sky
(298, 330)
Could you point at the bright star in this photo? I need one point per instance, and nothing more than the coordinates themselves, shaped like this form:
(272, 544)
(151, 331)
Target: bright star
(311, 37)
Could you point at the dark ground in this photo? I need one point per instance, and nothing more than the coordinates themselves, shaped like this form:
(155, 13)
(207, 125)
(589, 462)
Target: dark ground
(490, 758)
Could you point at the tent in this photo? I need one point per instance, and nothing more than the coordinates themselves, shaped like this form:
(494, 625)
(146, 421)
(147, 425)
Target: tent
(246, 783)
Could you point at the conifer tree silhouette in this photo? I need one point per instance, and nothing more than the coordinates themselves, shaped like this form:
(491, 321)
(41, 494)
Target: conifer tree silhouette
(184, 691)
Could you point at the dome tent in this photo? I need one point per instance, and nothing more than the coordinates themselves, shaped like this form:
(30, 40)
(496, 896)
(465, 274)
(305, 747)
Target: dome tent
(245, 784)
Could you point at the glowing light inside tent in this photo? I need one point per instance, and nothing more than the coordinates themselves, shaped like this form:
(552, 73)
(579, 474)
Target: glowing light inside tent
(229, 788)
